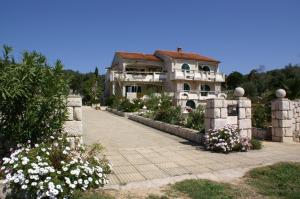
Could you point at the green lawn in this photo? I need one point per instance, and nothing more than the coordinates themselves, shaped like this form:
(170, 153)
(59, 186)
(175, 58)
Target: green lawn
(204, 189)
(280, 180)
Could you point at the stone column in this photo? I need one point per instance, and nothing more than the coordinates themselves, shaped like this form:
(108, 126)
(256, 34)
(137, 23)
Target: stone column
(73, 125)
(244, 113)
(282, 115)
(215, 113)
(244, 117)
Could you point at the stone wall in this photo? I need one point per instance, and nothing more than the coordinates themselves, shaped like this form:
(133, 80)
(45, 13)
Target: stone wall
(186, 133)
(120, 113)
(73, 125)
(216, 114)
(285, 118)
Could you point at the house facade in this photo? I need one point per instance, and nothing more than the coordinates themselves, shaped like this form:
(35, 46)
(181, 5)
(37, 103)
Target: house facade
(189, 78)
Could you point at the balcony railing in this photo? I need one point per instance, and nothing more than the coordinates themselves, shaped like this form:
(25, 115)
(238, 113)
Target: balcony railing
(137, 76)
(197, 95)
(197, 75)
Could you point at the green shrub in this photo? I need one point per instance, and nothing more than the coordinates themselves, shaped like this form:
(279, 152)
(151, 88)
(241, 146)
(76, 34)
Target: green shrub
(171, 115)
(127, 106)
(195, 119)
(256, 144)
(152, 102)
(32, 99)
(113, 101)
(261, 115)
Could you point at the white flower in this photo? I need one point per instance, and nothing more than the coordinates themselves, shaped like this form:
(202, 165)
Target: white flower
(24, 186)
(90, 179)
(43, 149)
(33, 184)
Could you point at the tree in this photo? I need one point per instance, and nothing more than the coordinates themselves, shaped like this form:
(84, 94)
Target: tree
(96, 72)
(234, 80)
(32, 99)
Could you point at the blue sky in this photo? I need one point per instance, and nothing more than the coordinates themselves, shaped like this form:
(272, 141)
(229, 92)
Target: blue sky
(243, 35)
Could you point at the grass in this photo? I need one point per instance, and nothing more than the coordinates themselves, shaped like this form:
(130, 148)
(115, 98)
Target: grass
(280, 180)
(205, 189)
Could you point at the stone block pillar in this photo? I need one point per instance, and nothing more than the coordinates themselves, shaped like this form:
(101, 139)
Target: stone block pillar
(215, 113)
(73, 125)
(244, 117)
(282, 118)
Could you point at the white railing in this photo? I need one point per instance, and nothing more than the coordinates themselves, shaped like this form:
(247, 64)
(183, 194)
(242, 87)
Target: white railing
(197, 75)
(137, 76)
(196, 95)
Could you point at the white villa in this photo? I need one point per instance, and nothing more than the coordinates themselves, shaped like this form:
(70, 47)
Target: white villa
(189, 77)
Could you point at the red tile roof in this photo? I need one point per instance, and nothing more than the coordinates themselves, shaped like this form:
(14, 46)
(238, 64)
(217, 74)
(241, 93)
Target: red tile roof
(185, 55)
(140, 56)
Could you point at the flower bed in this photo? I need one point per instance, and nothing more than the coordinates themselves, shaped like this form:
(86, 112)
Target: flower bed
(225, 140)
(53, 169)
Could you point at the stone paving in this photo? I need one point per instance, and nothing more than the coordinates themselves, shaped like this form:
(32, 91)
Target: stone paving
(139, 153)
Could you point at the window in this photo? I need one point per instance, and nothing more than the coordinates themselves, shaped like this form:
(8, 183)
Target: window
(204, 90)
(186, 87)
(133, 89)
(204, 68)
(185, 68)
(191, 104)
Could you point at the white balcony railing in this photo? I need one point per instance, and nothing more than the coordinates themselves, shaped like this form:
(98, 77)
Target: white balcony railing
(198, 95)
(197, 75)
(137, 76)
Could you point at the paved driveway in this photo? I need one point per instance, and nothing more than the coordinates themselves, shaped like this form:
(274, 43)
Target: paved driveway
(140, 153)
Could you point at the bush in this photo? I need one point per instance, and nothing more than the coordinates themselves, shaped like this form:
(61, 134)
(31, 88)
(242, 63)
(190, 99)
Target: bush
(127, 106)
(256, 144)
(113, 101)
(171, 115)
(195, 119)
(261, 115)
(53, 169)
(225, 139)
(152, 102)
(33, 99)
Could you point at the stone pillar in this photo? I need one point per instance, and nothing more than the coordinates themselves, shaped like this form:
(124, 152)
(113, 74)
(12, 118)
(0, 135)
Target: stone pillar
(244, 117)
(73, 125)
(215, 113)
(244, 113)
(282, 115)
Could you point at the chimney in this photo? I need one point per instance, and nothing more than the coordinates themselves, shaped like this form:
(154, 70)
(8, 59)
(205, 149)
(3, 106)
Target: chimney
(179, 50)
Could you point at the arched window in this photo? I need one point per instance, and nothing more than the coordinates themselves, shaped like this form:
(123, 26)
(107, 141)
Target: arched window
(206, 68)
(185, 67)
(186, 87)
(191, 104)
(203, 68)
(204, 90)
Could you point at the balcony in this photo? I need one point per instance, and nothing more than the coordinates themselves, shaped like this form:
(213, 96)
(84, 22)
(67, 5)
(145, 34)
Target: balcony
(197, 95)
(209, 76)
(137, 76)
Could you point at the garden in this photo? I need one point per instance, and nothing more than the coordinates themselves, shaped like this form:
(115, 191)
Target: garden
(38, 159)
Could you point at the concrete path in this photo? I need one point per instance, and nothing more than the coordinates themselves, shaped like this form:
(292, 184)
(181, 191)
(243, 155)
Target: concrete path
(142, 155)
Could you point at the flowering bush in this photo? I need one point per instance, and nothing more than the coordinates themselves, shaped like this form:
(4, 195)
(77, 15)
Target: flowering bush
(54, 169)
(226, 139)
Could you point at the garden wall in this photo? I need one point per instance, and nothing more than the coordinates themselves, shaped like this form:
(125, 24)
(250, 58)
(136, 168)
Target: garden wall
(73, 125)
(261, 133)
(186, 133)
(119, 113)
(220, 112)
(285, 118)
